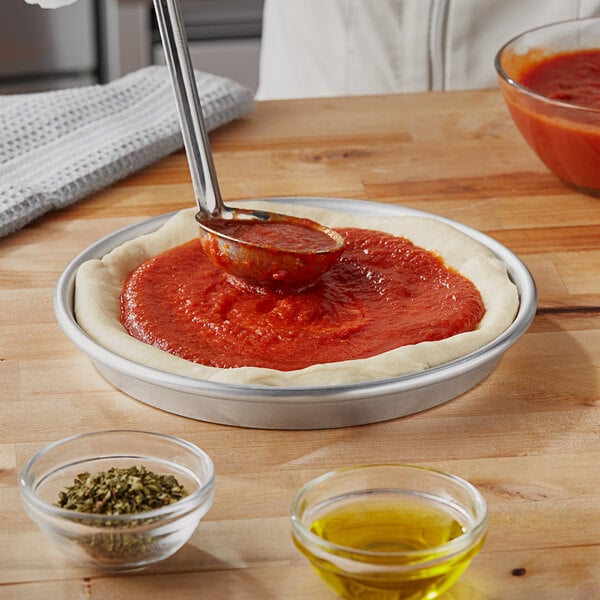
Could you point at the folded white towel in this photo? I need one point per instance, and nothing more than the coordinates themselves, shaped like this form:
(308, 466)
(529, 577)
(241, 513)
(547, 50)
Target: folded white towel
(57, 147)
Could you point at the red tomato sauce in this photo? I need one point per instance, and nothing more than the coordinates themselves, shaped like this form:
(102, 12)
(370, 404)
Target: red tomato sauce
(278, 234)
(383, 293)
(572, 77)
(567, 140)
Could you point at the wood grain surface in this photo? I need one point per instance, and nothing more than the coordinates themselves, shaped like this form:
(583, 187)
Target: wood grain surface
(528, 436)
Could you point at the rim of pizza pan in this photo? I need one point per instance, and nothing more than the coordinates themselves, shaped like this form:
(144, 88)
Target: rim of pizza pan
(519, 273)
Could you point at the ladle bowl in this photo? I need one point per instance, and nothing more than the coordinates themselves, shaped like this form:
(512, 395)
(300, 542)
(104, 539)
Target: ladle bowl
(279, 262)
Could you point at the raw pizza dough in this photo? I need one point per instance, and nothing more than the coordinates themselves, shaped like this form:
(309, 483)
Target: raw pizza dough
(99, 282)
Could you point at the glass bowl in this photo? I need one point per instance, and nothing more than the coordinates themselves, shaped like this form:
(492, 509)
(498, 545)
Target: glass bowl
(384, 532)
(565, 136)
(124, 542)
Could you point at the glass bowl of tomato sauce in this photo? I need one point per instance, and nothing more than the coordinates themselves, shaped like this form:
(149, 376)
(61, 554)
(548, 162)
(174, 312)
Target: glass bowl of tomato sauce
(550, 80)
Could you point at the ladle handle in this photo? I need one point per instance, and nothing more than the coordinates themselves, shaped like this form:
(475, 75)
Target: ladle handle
(193, 129)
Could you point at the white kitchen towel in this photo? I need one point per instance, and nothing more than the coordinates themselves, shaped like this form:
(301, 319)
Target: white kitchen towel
(58, 147)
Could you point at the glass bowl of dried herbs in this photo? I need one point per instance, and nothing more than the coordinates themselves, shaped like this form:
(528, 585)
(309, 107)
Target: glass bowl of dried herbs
(118, 500)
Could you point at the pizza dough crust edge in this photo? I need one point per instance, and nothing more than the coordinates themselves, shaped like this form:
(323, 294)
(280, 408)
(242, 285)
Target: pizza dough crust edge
(99, 282)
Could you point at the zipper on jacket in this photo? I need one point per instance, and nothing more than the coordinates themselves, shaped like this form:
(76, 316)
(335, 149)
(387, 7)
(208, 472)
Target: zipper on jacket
(438, 21)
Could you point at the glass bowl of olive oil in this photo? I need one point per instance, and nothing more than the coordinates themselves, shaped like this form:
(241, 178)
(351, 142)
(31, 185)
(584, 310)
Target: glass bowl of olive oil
(389, 532)
(118, 500)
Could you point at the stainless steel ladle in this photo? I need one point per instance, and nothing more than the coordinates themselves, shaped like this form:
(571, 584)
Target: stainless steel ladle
(263, 263)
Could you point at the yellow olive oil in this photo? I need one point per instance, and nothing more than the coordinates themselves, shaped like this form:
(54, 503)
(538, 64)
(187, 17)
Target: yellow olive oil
(393, 540)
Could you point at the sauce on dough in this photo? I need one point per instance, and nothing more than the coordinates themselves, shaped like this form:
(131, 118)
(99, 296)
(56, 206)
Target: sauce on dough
(383, 293)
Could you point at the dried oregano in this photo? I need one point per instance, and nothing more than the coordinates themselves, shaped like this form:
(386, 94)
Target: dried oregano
(121, 491)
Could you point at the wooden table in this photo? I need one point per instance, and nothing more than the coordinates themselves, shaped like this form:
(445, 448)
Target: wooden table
(528, 436)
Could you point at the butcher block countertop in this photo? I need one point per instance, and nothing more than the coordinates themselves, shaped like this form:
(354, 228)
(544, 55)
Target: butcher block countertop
(528, 436)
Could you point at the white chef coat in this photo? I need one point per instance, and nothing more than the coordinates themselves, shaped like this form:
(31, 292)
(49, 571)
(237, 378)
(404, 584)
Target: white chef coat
(348, 47)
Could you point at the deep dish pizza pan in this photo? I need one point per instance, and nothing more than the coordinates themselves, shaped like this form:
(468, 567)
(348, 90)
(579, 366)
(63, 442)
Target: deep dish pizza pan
(298, 407)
